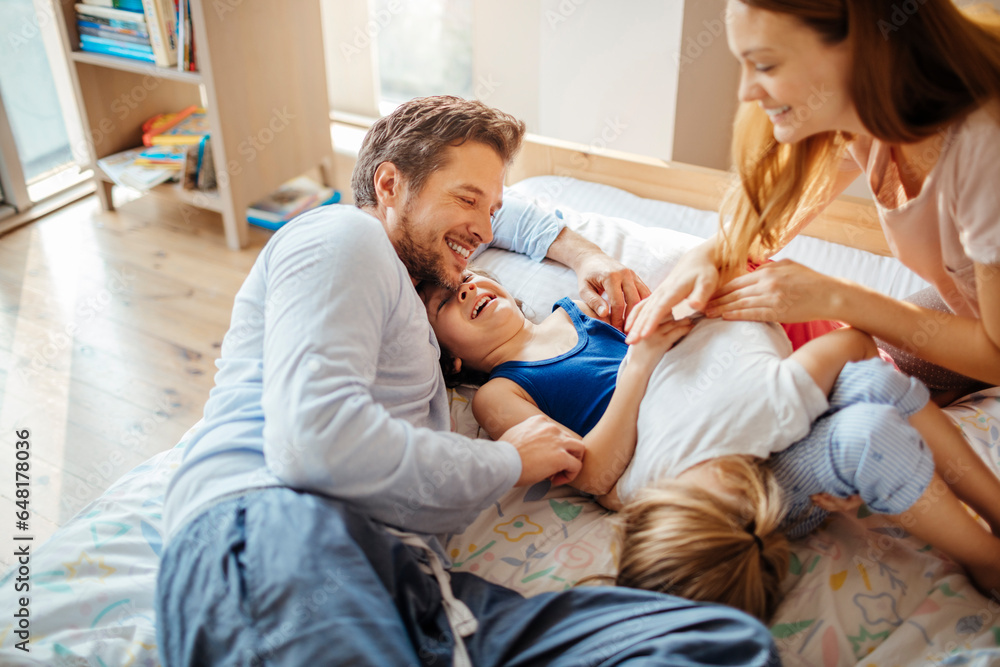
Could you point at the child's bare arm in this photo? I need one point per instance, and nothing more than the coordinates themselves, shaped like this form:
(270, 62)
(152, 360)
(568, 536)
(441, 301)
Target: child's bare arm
(501, 403)
(611, 443)
(824, 357)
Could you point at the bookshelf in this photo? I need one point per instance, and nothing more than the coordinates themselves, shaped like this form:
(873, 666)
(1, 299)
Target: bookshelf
(262, 79)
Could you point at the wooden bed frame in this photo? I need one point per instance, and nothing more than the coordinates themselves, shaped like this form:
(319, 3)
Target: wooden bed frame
(849, 221)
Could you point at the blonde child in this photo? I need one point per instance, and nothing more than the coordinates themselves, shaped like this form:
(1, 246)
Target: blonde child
(678, 427)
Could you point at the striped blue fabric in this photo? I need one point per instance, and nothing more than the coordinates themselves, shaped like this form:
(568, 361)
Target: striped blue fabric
(862, 445)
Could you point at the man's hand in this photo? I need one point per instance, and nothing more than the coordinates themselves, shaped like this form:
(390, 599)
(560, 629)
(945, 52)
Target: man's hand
(694, 279)
(622, 289)
(548, 450)
(598, 273)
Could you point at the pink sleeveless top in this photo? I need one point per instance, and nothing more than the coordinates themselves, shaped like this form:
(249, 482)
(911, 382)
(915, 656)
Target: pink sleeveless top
(955, 219)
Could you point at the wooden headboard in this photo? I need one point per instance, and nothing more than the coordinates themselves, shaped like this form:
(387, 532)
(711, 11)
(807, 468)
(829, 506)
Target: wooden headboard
(848, 220)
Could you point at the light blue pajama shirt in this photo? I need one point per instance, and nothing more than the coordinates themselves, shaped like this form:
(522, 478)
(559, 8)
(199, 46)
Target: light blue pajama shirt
(862, 445)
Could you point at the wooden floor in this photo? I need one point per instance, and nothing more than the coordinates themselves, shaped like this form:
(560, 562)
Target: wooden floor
(110, 324)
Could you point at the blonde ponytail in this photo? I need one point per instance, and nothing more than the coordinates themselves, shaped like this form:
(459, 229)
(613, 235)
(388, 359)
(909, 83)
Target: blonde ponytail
(700, 545)
(779, 185)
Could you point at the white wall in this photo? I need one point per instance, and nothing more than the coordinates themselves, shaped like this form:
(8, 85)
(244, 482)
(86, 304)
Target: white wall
(506, 55)
(706, 92)
(351, 65)
(609, 73)
(591, 71)
(653, 77)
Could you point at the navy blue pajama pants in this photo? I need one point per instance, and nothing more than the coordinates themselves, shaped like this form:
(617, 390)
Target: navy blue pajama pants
(278, 577)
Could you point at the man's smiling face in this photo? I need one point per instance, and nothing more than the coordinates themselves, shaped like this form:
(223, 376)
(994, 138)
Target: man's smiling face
(436, 230)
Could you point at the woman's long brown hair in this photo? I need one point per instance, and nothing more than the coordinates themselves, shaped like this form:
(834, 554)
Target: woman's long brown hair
(918, 66)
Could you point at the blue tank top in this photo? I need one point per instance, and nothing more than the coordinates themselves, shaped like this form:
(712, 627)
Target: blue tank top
(573, 388)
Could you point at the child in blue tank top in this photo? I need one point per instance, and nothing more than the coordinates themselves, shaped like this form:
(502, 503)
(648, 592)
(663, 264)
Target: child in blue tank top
(697, 506)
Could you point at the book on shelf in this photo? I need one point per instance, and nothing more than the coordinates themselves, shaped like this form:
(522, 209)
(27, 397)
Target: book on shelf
(187, 126)
(137, 27)
(108, 47)
(166, 157)
(293, 198)
(162, 30)
(111, 31)
(92, 41)
(127, 5)
(199, 167)
(185, 37)
(122, 169)
(110, 14)
(107, 32)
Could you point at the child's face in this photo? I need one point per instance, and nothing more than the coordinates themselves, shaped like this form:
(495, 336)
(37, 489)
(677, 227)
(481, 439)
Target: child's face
(473, 321)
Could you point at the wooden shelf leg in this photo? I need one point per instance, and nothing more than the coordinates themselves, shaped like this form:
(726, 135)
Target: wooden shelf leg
(236, 228)
(326, 171)
(104, 189)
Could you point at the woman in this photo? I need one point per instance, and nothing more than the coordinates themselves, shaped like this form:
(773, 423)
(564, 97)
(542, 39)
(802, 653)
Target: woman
(834, 88)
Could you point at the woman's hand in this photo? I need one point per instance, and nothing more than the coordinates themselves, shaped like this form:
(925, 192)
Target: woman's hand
(694, 278)
(782, 291)
(647, 352)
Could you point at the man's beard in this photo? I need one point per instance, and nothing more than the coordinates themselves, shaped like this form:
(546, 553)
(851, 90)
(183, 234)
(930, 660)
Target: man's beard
(421, 263)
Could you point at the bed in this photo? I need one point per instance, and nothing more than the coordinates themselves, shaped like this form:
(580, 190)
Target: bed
(858, 591)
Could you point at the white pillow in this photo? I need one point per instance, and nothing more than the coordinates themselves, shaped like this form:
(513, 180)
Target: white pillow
(650, 252)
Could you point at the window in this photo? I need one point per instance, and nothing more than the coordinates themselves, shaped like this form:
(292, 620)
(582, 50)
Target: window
(424, 48)
(34, 141)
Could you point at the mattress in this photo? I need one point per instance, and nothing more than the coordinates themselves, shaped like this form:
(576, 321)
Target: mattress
(858, 592)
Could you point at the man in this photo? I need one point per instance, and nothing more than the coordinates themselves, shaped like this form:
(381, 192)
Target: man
(326, 433)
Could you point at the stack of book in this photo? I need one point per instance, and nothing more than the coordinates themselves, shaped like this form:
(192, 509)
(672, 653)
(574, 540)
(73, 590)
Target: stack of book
(144, 168)
(113, 31)
(186, 127)
(153, 31)
(293, 198)
(124, 169)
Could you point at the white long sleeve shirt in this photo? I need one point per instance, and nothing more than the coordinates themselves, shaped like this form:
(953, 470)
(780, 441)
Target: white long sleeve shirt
(329, 382)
